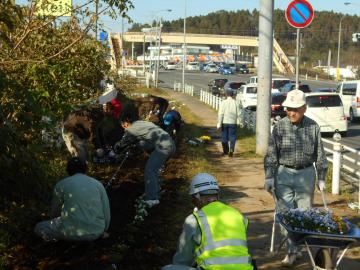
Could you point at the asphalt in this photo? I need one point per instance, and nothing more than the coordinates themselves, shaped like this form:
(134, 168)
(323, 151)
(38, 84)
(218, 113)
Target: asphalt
(242, 181)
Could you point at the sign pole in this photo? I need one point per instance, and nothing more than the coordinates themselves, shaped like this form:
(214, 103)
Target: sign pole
(297, 58)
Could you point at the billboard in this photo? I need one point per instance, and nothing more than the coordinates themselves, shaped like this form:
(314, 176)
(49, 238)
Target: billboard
(53, 7)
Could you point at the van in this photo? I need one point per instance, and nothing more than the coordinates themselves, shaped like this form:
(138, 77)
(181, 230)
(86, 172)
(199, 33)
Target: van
(247, 95)
(349, 92)
(327, 110)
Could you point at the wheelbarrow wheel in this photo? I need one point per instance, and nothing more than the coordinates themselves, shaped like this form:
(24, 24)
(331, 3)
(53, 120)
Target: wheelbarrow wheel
(323, 259)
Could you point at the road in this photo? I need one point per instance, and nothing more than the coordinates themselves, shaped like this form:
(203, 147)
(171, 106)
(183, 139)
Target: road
(200, 80)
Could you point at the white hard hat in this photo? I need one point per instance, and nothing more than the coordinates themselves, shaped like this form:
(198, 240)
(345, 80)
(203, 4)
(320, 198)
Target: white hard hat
(203, 183)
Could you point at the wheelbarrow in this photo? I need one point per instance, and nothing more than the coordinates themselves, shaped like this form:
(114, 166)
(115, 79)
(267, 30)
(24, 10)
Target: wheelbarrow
(327, 245)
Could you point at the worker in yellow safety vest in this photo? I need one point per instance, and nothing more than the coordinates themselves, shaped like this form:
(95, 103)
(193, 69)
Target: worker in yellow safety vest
(214, 235)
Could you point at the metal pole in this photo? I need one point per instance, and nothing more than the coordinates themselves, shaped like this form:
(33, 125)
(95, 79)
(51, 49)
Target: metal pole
(338, 52)
(122, 46)
(264, 75)
(96, 18)
(184, 51)
(144, 55)
(297, 58)
(158, 56)
(336, 168)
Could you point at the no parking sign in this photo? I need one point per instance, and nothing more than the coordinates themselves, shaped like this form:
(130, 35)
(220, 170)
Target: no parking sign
(299, 13)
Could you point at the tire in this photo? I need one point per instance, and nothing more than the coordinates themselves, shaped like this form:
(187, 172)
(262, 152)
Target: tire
(323, 259)
(351, 116)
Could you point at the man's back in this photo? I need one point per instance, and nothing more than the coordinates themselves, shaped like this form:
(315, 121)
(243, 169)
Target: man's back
(85, 206)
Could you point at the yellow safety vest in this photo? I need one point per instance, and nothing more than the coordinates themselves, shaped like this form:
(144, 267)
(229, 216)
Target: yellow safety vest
(223, 238)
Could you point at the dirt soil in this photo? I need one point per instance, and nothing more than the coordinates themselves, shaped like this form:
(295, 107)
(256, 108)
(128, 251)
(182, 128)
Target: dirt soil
(151, 244)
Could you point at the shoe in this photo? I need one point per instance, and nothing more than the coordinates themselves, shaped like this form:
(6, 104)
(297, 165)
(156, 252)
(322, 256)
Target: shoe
(289, 260)
(224, 154)
(231, 154)
(151, 203)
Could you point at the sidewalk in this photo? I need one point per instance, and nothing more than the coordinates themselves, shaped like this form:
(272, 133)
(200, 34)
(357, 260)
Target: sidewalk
(242, 183)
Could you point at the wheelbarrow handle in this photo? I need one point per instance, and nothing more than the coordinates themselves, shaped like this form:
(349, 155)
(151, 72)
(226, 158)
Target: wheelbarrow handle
(324, 200)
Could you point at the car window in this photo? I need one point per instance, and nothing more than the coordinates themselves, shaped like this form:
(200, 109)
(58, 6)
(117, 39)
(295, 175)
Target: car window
(305, 88)
(220, 82)
(323, 101)
(278, 99)
(279, 83)
(251, 90)
(235, 85)
(241, 89)
(349, 89)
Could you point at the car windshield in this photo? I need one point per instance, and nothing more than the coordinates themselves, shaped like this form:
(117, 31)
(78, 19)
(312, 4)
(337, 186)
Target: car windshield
(220, 82)
(251, 90)
(226, 66)
(278, 99)
(235, 85)
(323, 101)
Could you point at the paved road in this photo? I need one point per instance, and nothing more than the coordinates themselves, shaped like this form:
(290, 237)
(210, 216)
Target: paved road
(200, 80)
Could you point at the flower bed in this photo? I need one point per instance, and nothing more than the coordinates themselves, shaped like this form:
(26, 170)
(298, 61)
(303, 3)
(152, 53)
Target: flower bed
(314, 220)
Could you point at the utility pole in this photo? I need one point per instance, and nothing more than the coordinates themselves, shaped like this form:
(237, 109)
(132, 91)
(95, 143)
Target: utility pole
(96, 18)
(144, 55)
(184, 51)
(158, 55)
(264, 75)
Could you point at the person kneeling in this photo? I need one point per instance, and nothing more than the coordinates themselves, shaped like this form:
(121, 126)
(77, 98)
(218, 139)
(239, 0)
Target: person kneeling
(80, 208)
(214, 235)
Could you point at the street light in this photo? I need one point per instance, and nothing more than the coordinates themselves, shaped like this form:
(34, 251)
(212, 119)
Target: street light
(339, 45)
(158, 56)
(184, 51)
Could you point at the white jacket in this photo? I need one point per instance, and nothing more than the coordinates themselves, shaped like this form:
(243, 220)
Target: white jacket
(229, 112)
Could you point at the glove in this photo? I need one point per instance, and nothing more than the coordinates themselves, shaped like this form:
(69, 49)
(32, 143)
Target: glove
(218, 126)
(269, 184)
(321, 185)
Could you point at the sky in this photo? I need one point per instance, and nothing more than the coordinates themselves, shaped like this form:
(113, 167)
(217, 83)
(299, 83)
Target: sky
(146, 11)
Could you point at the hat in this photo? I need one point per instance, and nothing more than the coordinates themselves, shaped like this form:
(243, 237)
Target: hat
(295, 99)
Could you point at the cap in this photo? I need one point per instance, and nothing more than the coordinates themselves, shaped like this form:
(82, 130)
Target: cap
(167, 119)
(295, 99)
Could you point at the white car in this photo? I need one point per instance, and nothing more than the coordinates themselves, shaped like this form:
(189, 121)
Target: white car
(212, 68)
(247, 95)
(350, 95)
(170, 66)
(193, 66)
(327, 110)
(276, 83)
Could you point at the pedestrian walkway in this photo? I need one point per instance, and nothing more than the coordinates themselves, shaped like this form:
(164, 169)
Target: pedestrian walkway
(242, 181)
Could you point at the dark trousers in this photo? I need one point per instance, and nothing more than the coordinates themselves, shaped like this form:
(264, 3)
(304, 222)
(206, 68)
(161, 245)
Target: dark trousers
(228, 135)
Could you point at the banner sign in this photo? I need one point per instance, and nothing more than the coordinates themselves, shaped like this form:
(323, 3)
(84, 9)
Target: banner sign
(53, 7)
(229, 47)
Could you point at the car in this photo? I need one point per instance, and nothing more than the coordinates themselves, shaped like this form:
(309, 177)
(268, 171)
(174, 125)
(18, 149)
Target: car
(252, 79)
(211, 68)
(170, 65)
(193, 66)
(327, 110)
(232, 66)
(225, 70)
(242, 68)
(322, 90)
(276, 105)
(291, 86)
(350, 94)
(247, 95)
(216, 86)
(277, 83)
(233, 85)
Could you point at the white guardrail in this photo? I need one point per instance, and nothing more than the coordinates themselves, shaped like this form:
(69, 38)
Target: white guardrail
(188, 89)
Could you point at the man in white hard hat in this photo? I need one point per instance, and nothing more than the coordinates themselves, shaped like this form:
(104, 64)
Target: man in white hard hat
(214, 235)
(295, 146)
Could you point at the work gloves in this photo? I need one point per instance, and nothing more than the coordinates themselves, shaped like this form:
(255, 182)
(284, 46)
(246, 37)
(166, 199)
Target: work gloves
(218, 126)
(321, 185)
(269, 184)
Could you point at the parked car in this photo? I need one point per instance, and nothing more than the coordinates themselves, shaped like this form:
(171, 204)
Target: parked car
(350, 94)
(216, 86)
(242, 68)
(233, 85)
(170, 65)
(225, 70)
(232, 66)
(327, 110)
(247, 95)
(193, 66)
(252, 79)
(291, 86)
(211, 68)
(276, 105)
